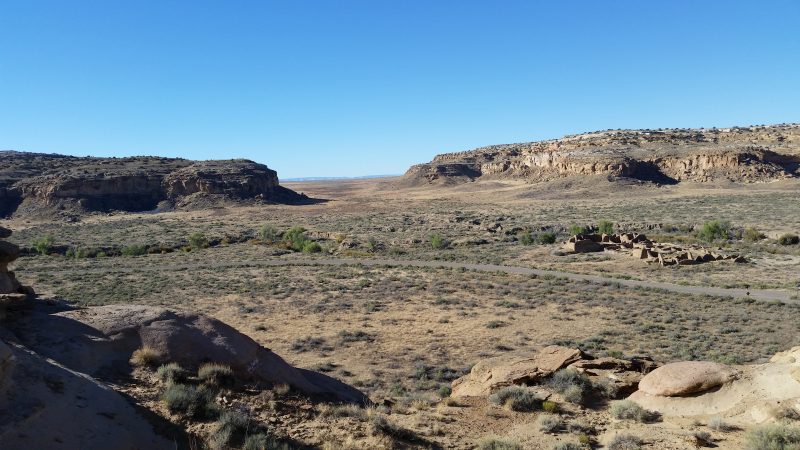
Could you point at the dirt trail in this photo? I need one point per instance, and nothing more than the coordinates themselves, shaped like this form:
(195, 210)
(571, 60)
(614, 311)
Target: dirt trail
(769, 295)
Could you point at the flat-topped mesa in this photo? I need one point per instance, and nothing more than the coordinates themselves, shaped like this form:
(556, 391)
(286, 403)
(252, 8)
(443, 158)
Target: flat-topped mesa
(32, 182)
(751, 154)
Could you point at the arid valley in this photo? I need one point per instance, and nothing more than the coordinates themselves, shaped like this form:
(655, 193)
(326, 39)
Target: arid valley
(617, 289)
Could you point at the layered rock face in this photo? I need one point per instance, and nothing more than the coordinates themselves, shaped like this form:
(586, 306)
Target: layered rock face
(10, 288)
(31, 182)
(742, 154)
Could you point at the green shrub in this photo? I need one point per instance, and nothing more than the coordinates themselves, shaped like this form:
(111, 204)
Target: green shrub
(172, 373)
(196, 402)
(134, 250)
(438, 242)
(311, 247)
(752, 235)
(269, 234)
(197, 241)
(625, 442)
(43, 244)
(216, 374)
(714, 230)
(526, 238)
(579, 229)
(547, 237)
(605, 227)
(496, 443)
(516, 398)
(549, 423)
(774, 436)
(789, 239)
(548, 406)
(628, 410)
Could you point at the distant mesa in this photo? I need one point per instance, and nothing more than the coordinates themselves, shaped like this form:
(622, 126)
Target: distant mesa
(665, 156)
(33, 183)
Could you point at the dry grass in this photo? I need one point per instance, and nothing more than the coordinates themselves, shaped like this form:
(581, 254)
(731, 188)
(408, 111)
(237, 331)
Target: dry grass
(145, 357)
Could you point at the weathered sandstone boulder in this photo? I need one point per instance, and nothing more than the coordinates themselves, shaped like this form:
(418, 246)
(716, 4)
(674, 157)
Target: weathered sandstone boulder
(685, 378)
(495, 373)
(44, 405)
(758, 393)
(8, 253)
(99, 341)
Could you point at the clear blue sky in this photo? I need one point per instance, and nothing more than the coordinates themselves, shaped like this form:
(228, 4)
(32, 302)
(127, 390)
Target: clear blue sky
(344, 88)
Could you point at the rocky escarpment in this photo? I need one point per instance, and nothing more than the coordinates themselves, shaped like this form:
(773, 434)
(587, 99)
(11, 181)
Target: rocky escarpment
(31, 183)
(741, 154)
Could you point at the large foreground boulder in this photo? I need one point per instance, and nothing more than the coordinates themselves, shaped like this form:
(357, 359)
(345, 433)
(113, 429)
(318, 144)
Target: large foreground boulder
(99, 341)
(758, 393)
(495, 373)
(685, 378)
(44, 405)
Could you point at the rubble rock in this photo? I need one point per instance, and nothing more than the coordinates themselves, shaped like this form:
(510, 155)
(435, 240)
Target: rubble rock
(495, 373)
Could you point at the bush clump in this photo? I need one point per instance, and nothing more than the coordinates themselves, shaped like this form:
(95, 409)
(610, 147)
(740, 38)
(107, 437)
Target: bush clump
(216, 374)
(196, 402)
(789, 239)
(438, 242)
(526, 238)
(713, 230)
(628, 410)
(774, 436)
(198, 240)
(269, 234)
(228, 431)
(605, 227)
(43, 244)
(549, 423)
(625, 442)
(496, 443)
(573, 386)
(134, 250)
(752, 235)
(295, 238)
(547, 237)
(262, 441)
(579, 229)
(172, 373)
(145, 357)
(568, 446)
(516, 398)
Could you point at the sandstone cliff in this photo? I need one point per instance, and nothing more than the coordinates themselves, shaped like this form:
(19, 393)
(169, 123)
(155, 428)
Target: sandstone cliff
(740, 154)
(31, 182)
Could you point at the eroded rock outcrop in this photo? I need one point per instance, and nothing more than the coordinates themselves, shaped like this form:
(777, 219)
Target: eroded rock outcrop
(31, 182)
(493, 374)
(742, 395)
(45, 405)
(99, 341)
(741, 154)
(10, 289)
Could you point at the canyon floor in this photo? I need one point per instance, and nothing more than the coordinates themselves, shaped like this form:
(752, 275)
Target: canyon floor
(402, 333)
